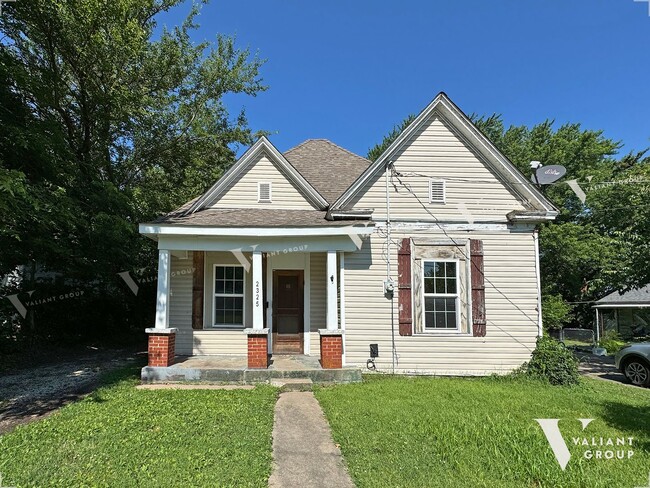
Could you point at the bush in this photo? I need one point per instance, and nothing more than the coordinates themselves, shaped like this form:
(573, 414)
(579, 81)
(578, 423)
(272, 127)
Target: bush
(611, 341)
(552, 361)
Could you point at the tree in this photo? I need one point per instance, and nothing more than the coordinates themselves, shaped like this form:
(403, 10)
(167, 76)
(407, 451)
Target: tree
(107, 123)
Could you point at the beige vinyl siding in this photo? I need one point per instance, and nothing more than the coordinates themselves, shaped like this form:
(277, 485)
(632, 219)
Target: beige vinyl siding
(437, 151)
(207, 341)
(242, 193)
(318, 301)
(509, 264)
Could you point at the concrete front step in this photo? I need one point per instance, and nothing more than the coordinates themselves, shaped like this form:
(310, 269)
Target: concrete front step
(153, 374)
(293, 384)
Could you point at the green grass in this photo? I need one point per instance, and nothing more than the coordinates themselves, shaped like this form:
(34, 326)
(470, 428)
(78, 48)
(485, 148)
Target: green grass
(454, 432)
(120, 436)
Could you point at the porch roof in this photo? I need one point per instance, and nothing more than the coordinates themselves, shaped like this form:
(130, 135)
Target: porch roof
(252, 217)
(632, 298)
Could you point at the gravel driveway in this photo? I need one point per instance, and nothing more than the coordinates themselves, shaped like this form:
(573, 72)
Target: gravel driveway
(30, 393)
(601, 367)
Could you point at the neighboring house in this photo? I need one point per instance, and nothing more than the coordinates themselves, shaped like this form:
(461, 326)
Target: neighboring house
(290, 253)
(626, 313)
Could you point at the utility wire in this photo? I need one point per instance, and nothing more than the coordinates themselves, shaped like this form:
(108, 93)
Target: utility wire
(396, 175)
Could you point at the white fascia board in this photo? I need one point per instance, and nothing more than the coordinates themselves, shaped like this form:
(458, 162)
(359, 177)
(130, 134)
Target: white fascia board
(261, 144)
(623, 305)
(149, 229)
(549, 216)
(465, 126)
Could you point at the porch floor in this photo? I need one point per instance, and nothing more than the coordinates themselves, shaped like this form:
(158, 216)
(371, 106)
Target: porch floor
(234, 369)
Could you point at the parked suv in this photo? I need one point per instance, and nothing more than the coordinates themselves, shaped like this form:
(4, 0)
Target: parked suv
(634, 362)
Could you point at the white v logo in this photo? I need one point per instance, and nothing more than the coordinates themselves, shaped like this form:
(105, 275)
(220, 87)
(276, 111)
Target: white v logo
(558, 445)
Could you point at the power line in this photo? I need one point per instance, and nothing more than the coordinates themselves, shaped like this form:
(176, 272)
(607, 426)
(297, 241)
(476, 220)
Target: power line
(396, 174)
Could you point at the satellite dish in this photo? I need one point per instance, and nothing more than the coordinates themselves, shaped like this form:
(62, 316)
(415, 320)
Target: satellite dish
(548, 174)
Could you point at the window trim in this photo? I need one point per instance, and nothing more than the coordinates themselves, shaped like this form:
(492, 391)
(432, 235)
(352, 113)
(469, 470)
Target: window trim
(259, 193)
(214, 298)
(458, 329)
(444, 190)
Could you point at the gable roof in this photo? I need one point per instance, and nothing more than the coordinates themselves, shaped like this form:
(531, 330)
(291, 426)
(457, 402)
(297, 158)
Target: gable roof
(261, 145)
(638, 296)
(328, 167)
(513, 178)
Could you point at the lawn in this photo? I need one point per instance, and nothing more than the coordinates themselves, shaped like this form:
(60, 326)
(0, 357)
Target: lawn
(120, 436)
(453, 432)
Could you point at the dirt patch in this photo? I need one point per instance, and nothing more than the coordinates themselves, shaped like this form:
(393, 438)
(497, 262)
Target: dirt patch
(30, 393)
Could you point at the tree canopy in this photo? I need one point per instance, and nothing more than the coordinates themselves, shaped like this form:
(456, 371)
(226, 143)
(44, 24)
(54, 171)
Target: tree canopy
(108, 120)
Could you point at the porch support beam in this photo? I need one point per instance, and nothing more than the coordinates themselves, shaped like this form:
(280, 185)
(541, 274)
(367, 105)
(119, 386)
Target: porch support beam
(258, 292)
(332, 321)
(162, 295)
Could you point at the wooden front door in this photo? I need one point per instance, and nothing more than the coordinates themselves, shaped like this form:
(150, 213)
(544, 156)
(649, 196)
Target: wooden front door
(288, 311)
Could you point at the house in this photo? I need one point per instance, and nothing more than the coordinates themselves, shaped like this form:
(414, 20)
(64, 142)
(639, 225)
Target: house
(428, 256)
(626, 313)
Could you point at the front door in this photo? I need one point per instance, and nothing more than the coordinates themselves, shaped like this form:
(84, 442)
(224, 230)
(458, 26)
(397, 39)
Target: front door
(288, 311)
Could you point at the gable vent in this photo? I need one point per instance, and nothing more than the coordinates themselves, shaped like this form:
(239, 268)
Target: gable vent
(264, 192)
(437, 193)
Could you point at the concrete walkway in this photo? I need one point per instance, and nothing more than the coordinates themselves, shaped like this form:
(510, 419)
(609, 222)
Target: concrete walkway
(304, 454)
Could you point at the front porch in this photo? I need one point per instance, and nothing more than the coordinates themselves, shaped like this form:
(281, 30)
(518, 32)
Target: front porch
(234, 369)
(251, 298)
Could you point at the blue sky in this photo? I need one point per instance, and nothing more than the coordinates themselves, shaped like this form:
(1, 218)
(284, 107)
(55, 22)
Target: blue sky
(350, 70)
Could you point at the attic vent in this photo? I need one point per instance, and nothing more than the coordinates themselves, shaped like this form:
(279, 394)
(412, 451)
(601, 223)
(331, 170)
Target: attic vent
(264, 192)
(437, 193)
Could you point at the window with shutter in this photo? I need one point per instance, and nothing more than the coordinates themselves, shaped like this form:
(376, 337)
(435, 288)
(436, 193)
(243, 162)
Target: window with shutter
(437, 193)
(264, 192)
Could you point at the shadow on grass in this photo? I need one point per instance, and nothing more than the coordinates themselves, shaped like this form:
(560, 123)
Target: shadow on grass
(629, 418)
(19, 413)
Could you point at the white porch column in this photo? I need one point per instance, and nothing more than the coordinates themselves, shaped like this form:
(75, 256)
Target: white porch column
(258, 295)
(162, 297)
(332, 322)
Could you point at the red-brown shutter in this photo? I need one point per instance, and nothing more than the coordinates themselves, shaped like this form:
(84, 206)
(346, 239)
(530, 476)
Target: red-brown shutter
(404, 288)
(478, 288)
(197, 289)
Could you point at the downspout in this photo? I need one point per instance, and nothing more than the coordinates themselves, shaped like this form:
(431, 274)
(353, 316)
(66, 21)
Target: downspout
(540, 327)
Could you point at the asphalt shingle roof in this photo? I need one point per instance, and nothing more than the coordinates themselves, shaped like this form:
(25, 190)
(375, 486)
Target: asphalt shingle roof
(330, 169)
(252, 217)
(327, 167)
(641, 295)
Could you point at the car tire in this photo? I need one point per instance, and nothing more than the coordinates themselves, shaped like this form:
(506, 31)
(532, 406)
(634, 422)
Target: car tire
(637, 371)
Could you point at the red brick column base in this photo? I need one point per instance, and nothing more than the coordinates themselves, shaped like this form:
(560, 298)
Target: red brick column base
(162, 347)
(258, 346)
(331, 349)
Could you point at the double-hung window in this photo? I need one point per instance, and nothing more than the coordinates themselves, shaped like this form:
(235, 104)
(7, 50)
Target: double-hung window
(441, 296)
(228, 296)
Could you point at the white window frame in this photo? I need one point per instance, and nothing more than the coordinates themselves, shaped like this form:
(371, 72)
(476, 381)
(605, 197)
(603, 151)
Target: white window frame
(259, 192)
(215, 295)
(444, 190)
(458, 329)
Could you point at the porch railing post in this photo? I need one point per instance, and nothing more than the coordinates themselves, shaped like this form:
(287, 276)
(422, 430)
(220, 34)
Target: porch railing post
(162, 295)
(258, 295)
(332, 307)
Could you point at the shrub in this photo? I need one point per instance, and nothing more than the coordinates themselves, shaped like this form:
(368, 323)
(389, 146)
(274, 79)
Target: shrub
(611, 341)
(552, 361)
